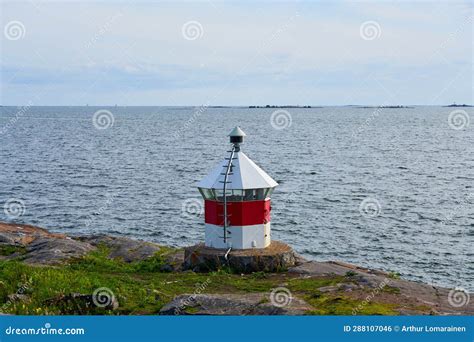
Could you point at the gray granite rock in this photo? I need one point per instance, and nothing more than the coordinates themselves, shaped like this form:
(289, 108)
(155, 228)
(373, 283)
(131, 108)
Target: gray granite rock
(274, 258)
(174, 261)
(43, 247)
(50, 251)
(39, 246)
(124, 248)
(232, 304)
(435, 297)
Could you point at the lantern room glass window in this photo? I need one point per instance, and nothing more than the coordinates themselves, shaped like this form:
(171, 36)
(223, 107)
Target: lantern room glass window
(207, 193)
(255, 194)
(218, 194)
(236, 195)
(268, 192)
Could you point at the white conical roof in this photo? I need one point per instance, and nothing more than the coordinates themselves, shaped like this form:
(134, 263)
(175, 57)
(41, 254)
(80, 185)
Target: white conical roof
(245, 175)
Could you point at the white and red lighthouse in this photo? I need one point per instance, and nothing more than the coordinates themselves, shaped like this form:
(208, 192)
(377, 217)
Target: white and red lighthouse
(237, 201)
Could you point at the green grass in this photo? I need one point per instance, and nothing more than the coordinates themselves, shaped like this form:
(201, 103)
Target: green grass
(350, 274)
(191, 310)
(393, 275)
(342, 305)
(142, 288)
(139, 287)
(98, 260)
(333, 303)
(7, 250)
(391, 289)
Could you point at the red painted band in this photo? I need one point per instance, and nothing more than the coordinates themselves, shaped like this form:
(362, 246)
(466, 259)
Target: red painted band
(245, 213)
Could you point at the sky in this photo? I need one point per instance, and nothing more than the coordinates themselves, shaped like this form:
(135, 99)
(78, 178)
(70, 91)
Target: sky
(236, 53)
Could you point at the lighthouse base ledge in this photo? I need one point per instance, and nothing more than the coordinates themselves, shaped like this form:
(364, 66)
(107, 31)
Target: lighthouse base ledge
(274, 258)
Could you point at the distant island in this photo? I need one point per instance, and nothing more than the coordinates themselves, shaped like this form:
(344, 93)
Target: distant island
(286, 106)
(392, 107)
(458, 105)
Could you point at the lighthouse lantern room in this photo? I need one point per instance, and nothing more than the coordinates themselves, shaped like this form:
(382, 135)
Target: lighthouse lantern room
(237, 201)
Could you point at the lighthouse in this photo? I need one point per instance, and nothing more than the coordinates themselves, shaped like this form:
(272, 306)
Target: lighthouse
(237, 202)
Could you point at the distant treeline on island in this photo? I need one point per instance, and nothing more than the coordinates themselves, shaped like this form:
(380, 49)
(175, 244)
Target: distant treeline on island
(285, 106)
(394, 107)
(458, 105)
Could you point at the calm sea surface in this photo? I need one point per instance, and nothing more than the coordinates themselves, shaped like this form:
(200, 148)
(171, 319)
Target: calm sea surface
(415, 173)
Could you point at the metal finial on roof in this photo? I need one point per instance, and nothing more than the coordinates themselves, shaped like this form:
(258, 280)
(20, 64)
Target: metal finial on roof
(237, 132)
(237, 136)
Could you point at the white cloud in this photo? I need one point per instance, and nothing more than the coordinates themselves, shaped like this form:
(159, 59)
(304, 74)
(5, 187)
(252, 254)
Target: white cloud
(283, 41)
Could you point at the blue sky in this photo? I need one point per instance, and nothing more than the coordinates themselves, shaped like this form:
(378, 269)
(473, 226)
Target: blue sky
(240, 53)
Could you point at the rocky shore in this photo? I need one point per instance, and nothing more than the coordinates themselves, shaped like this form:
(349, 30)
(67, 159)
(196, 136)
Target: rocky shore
(49, 273)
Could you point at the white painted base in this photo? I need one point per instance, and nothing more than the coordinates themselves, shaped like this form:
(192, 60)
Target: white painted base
(238, 237)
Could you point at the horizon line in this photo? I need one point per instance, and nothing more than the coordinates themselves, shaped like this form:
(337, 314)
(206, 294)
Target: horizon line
(247, 106)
